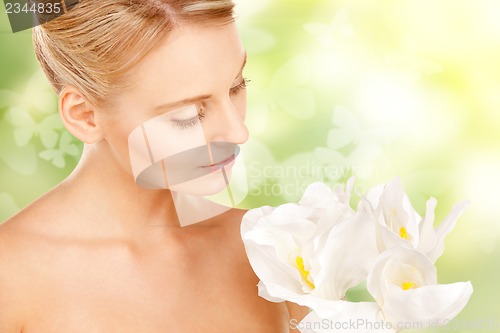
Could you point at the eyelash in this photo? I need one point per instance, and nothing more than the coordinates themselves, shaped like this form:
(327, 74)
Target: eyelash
(185, 124)
(236, 90)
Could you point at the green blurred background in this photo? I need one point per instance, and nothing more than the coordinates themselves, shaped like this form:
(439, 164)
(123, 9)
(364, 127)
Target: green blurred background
(370, 88)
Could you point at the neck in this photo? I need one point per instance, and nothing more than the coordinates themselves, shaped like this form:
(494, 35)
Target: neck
(108, 196)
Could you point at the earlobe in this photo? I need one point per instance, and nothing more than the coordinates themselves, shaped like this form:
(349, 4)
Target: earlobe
(78, 116)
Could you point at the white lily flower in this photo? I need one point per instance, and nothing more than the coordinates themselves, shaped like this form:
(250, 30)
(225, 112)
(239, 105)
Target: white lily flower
(332, 207)
(319, 195)
(309, 255)
(398, 224)
(403, 282)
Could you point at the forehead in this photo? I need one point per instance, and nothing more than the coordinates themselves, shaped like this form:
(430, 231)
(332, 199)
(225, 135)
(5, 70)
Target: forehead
(193, 60)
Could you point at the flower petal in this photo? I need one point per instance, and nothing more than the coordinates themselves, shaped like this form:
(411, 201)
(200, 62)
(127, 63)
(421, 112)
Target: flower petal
(428, 305)
(398, 211)
(424, 302)
(370, 200)
(390, 264)
(273, 239)
(270, 266)
(428, 237)
(346, 258)
(316, 195)
(361, 317)
(444, 228)
(323, 307)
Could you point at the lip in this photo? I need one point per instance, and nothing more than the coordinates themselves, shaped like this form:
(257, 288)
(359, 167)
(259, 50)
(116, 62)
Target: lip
(220, 164)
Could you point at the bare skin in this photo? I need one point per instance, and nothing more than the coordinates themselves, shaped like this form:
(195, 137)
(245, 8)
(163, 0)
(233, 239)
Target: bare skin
(100, 254)
(192, 280)
(66, 271)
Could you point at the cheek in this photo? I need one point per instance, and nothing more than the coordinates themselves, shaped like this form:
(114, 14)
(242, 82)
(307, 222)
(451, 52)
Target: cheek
(118, 140)
(116, 129)
(240, 104)
(157, 140)
(163, 140)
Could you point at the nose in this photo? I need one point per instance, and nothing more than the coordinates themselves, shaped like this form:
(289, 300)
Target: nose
(227, 125)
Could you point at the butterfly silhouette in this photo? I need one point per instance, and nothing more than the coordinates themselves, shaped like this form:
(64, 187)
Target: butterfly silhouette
(65, 147)
(25, 127)
(36, 101)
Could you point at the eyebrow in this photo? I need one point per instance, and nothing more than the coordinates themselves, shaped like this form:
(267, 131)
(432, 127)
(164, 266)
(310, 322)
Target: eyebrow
(192, 100)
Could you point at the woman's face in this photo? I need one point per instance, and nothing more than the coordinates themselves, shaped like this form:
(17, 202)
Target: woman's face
(185, 111)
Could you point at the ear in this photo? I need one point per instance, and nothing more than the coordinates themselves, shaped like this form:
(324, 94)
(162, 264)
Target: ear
(78, 115)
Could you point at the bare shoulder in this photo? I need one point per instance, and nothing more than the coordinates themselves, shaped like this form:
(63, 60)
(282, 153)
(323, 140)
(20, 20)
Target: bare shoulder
(23, 241)
(19, 234)
(38, 214)
(14, 277)
(20, 239)
(16, 236)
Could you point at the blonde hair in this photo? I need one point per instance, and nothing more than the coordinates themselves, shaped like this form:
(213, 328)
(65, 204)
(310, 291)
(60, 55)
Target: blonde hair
(96, 43)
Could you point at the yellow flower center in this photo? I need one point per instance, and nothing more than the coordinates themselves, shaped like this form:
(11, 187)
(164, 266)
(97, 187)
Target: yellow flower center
(403, 233)
(303, 272)
(408, 285)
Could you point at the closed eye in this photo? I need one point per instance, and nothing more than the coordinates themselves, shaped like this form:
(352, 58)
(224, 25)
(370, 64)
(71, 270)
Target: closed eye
(240, 87)
(189, 123)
